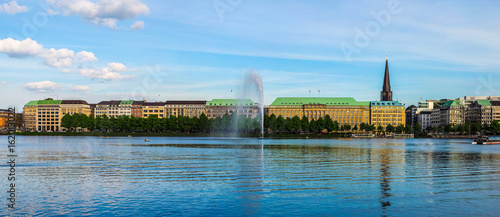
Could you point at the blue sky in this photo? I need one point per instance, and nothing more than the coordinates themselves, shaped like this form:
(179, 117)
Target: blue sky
(171, 50)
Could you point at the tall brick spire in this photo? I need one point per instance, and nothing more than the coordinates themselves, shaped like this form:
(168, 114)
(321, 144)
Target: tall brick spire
(386, 93)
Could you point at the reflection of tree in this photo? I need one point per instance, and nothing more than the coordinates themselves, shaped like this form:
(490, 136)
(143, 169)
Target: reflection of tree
(385, 188)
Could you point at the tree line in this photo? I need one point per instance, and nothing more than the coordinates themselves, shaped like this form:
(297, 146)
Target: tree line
(466, 128)
(226, 124)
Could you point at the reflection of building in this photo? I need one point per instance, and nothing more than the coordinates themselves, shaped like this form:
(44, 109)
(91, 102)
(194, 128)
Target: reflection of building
(344, 110)
(185, 108)
(45, 115)
(384, 113)
(153, 108)
(220, 107)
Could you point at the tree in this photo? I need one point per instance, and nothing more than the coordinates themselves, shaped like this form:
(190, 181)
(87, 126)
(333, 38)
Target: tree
(204, 123)
(280, 123)
(400, 128)
(336, 126)
(447, 128)
(417, 129)
(495, 127)
(476, 127)
(304, 123)
(320, 123)
(272, 123)
(389, 128)
(329, 123)
(296, 124)
(380, 129)
(407, 129)
(66, 121)
(355, 128)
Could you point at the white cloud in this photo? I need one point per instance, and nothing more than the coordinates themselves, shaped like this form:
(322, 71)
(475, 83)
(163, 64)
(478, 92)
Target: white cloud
(42, 87)
(65, 70)
(3, 82)
(137, 25)
(13, 8)
(58, 58)
(112, 72)
(20, 49)
(86, 56)
(81, 87)
(103, 12)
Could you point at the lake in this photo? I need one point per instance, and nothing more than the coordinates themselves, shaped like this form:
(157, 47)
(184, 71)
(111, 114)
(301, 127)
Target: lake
(168, 176)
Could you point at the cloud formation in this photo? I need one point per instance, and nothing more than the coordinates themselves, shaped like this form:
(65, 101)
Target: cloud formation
(81, 87)
(19, 49)
(57, 58)
(103, 12)
(42, 87)
(137, 25)
(13, 8)
(112, 72)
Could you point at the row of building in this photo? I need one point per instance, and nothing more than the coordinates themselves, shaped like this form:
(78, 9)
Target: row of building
(473, 109)
(45, 115)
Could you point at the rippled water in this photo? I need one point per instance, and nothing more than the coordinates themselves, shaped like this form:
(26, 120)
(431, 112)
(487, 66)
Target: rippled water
(234, 177)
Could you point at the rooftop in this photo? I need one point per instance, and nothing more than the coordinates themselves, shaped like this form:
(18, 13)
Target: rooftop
(385, 103)
(231, 102)
(335, 101)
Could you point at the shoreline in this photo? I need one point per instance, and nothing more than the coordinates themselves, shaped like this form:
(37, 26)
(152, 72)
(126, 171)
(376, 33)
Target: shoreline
(216, 135)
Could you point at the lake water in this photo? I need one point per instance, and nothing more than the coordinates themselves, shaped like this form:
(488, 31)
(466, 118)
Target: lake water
(237, 176)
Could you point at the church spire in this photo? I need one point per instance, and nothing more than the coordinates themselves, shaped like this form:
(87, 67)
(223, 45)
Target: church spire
(386, 93)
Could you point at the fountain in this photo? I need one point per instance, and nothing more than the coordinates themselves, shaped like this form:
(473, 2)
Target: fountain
(252, 85)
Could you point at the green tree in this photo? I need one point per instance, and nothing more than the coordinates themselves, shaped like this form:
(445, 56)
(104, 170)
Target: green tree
(280, 124)
(380, 129)
(296, 124)
(476, 127)
(495, 127)
(329, 123)
(203, 123)
(417, 129)
(272, 123)
(320, 124)
(400, 128)
(304, 123)
(66, 121)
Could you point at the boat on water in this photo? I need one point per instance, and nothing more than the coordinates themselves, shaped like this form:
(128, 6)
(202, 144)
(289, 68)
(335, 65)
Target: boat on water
(484, 140)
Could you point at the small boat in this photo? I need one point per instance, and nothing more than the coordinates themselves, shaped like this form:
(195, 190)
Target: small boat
(484, 140)
(146, 140)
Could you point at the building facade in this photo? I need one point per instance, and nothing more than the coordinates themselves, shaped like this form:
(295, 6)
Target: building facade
(46, 115)
(185, 108)
(219, 107)
(137, 109)
(153, 108)
(344, 110)
(384, 113)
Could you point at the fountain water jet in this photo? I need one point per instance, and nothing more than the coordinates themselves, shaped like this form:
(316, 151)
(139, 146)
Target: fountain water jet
(252, 85)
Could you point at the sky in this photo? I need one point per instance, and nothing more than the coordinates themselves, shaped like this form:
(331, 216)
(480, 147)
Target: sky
(162, 50)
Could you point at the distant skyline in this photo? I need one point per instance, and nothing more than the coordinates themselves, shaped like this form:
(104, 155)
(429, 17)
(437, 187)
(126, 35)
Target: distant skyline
(99, 50)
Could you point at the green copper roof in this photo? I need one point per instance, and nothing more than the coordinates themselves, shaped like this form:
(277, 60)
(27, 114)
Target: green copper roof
(126, 102)
(230, 102)
(32, 103)
(385, 103)
(452, 103)
(49, 102)
(334, 101)
(484, 102)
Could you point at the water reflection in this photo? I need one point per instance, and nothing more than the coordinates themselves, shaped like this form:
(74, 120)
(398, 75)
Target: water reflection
(210, 177)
